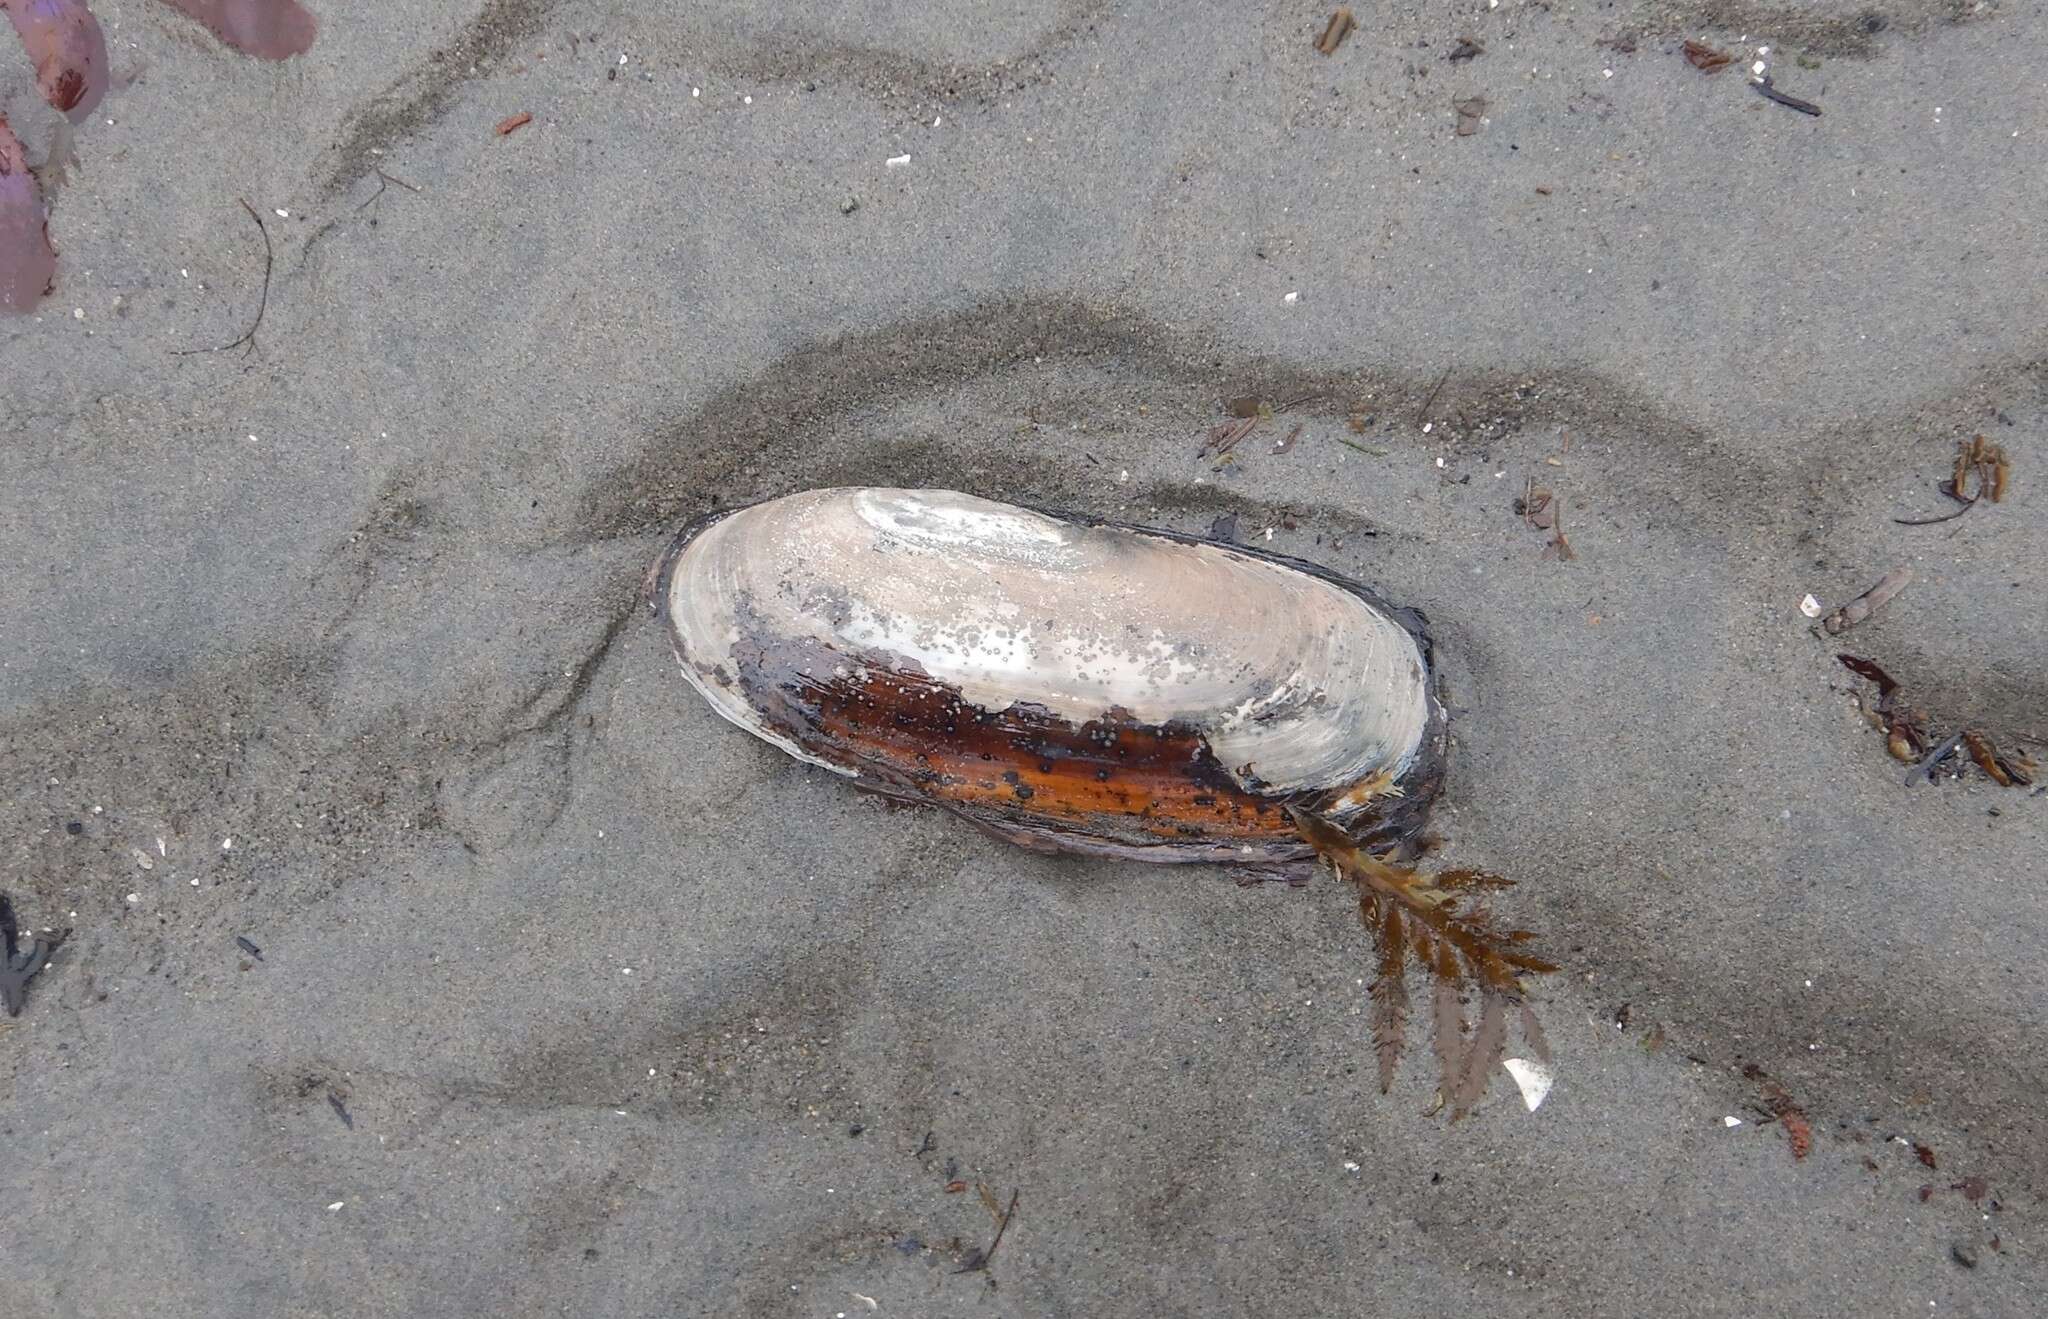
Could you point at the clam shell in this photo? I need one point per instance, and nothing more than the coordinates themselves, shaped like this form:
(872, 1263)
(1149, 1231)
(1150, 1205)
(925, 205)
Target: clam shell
(1069, 683)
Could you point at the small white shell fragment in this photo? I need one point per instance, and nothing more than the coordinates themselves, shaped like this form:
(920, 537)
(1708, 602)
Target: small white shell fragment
(1731, 1121)
(898, 162)
(336, 1206)
(142, 859)
(1810, 606)
(1532, 1078)
(1350, 1166)
(1291, 299)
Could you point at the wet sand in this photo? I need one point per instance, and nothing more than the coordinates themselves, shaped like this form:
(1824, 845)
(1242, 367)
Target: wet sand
(629, 1014)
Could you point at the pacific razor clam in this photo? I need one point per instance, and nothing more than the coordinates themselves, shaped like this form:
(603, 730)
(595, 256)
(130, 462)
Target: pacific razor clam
(1073, 684)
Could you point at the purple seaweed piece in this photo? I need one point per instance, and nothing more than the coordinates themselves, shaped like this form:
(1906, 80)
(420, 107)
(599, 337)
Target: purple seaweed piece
(70, 52)
(28, 264)
(267, 29)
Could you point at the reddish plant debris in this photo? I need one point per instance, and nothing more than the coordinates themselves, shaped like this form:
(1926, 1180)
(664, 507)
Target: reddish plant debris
(69, 50)
(1333, 36)
(1471, 112)
(1905, 731)
(1705, 58)
(28, 263)
(1925, 1193)
(513, 123)
(1798, 1131)
(1904, 728)
(1925, 1155)
(266, 29)
(1981, 458)
(1973, 1188)
(2003, 769)
(1987, 461)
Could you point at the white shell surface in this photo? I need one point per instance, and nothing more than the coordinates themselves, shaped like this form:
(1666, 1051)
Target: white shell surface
(1298, 678)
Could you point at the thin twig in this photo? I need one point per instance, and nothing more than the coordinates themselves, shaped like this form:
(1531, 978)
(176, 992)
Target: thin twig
(1430, 402)
(1968, 504)
(1925, 769)
(980, 1265)
(382, 180)
(248, 336)
(1763, 85)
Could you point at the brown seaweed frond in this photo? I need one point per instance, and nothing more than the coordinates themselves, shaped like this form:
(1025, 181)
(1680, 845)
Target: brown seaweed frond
(1425, 919)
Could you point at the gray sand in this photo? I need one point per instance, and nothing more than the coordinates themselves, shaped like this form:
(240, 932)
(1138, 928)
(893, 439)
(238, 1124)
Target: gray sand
(606, 987)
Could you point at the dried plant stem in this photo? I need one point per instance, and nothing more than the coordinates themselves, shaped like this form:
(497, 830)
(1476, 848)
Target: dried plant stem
(247, 339)
(1872, 600)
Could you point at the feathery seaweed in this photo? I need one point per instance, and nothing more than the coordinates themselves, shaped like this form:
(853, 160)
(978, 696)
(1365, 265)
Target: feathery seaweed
(1426, 919)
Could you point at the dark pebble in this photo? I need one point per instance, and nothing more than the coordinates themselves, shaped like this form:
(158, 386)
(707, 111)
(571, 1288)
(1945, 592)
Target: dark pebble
(1963, 1254)
(75, 828)
(855, 1129)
